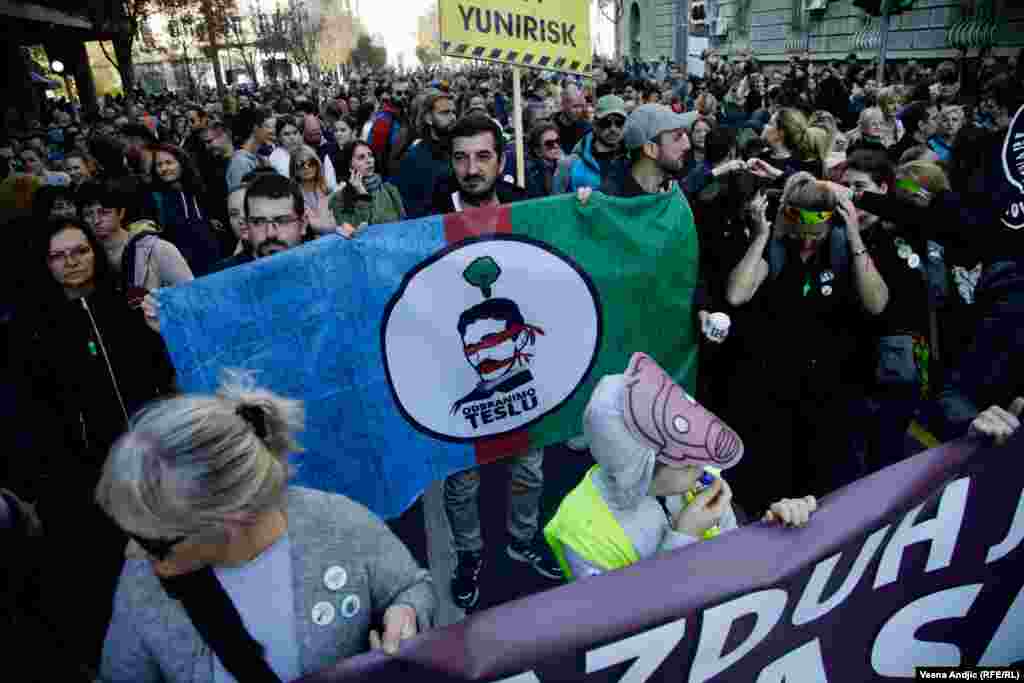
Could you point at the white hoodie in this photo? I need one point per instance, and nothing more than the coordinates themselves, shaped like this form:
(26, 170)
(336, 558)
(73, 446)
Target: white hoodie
(624, 480)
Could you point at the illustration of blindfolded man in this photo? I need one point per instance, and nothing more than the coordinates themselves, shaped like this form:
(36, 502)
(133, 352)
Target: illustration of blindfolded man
(495, 337)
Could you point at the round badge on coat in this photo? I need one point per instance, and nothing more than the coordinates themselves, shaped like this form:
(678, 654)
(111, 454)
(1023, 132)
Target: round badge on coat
(335, 578)
(913, 260)
(350, 606)
(827, 290)
(323, 613)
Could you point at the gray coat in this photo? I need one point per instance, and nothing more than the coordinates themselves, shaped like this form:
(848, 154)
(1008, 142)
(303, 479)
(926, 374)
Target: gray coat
(152, 639)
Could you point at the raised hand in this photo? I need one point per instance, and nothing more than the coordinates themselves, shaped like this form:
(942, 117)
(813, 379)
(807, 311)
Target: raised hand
(998, 424)
(792, 511)
(705, 511)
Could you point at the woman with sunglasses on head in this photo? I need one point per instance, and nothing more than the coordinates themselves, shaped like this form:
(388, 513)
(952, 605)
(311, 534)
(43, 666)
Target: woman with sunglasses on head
(83, 360)
(365, 198)
(307, 172)
(544, 151)
(811, 287)
(227, 554)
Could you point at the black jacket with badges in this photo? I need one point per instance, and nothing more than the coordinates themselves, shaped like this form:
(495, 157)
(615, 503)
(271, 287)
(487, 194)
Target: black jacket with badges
(809, 315)
(902, 262)
(82, 365)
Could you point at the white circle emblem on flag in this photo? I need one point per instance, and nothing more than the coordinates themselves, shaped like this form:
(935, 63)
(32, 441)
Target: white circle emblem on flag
(488, 336)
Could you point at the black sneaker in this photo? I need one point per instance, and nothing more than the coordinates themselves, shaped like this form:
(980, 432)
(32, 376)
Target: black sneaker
(538, 555)
(466, 582)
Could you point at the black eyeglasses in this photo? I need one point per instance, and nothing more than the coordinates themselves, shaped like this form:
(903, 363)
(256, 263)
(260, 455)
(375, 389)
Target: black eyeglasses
(552, 144)
(609, 121)
(159, 548)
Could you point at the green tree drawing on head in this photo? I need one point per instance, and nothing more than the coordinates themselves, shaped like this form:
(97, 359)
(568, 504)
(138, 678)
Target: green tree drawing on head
(483, 272)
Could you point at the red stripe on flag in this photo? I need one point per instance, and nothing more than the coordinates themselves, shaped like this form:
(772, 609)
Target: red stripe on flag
(474, 223)
(498, 447)
(477, 222)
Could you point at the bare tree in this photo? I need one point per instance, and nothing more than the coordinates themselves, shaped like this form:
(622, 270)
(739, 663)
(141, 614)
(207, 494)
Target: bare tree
(293, 31)
(123, 19)
(182, 31)
(243, 44)
(214, 31)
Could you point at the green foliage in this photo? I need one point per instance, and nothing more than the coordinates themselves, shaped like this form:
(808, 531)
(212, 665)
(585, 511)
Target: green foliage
(483, 272)
(368, 54)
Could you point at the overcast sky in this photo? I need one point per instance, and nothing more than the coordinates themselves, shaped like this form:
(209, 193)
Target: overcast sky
(396, 21)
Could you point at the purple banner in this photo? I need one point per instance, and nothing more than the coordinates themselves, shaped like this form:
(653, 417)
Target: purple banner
(918, 565)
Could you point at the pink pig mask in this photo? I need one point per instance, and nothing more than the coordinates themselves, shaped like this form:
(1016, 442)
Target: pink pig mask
(660, 414)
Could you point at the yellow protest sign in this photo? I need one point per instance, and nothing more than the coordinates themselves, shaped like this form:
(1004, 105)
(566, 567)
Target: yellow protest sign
(544, 34)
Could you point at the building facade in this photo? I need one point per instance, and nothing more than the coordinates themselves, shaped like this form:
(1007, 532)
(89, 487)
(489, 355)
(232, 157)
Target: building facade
(831, 29)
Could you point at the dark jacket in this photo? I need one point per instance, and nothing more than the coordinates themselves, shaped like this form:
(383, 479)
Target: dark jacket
(186, 225)
(390, 134)
(540, 177)
(570, 132)
(443, 203)
(241, 258)
(990, 372)
(424, 165)
(66, 394)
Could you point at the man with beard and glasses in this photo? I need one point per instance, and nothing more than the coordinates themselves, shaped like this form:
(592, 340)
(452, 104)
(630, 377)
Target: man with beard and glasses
(391, 131)
(275, 215)
(275, 212)
(600, 154)
(478, 156)
(429, 159)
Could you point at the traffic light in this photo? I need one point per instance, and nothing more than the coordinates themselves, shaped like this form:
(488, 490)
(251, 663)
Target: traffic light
(697, 12)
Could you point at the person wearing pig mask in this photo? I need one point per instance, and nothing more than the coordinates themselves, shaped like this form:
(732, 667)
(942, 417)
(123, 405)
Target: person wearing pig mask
(650, 438)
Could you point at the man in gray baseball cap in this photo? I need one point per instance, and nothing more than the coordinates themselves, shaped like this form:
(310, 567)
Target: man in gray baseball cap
(657, 142)
(600, 155)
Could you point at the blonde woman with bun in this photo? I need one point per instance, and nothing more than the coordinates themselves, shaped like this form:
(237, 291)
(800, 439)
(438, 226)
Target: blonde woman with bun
(226, 551)
(798, 365)
(795, 146)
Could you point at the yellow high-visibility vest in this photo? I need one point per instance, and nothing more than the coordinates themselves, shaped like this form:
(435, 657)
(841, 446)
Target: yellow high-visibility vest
(584, 523)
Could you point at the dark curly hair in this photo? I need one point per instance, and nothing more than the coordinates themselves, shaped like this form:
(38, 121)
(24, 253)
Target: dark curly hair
(190, 180)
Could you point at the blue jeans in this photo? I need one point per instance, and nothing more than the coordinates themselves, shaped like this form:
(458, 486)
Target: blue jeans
(526, 483)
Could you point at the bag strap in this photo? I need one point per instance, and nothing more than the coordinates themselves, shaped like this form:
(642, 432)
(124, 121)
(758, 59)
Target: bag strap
(215, 616)
(839, 253)
(776, 257)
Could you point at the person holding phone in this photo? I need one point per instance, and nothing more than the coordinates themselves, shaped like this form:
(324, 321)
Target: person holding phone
(365, 198)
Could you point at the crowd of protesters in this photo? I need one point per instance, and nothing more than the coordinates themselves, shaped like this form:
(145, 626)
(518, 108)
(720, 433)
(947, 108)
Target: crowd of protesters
(850, 227)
